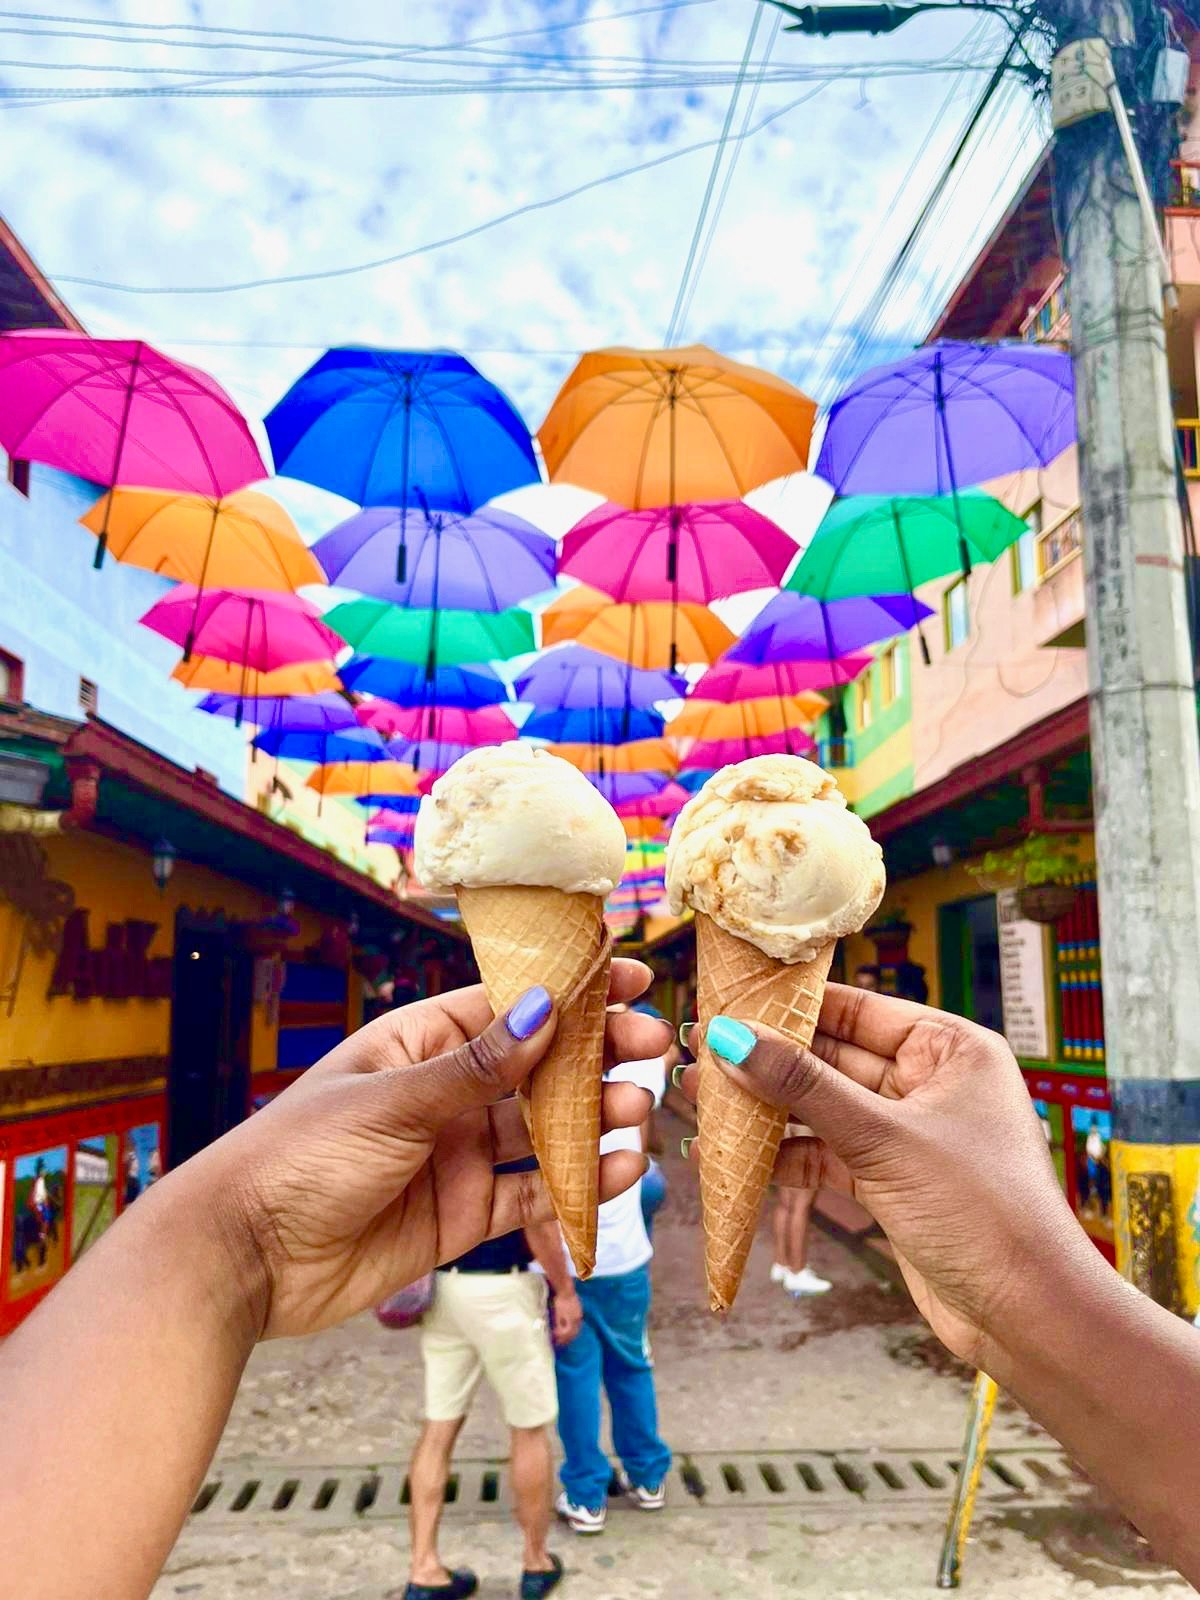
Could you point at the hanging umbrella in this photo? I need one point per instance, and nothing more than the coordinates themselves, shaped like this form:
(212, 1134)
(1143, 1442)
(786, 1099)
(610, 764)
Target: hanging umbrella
(710, 754)
(617, 787)
(258, 630)
(317, 713)
(356, 779)
(406, 684)
(660, 427)
(732, 680)
(398, 838)
(592, 727)
(435, 638)
(299, 744)
(400, 804)
(656, 806)
(117, 411)
(744, 719)
(643, 755)
(641, 828)
(698, 552)
(486, 561)
(243, 540)
(435, 755)
(693, 779)
(244, 683)
(647, 635)
(401, 428)
(793, 627)
(573, 678)
(489, 725)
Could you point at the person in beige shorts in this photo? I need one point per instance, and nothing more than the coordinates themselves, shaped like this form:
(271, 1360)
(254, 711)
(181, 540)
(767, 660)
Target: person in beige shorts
(488, 1320)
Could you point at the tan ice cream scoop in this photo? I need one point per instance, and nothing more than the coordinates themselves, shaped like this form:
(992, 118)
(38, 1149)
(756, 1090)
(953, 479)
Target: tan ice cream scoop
(777, 869)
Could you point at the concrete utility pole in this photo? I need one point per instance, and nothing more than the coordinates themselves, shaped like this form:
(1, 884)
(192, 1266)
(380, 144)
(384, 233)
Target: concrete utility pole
(1145, 755)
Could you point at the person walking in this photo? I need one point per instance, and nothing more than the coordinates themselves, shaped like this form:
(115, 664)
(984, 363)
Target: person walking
(488, 1319)
(789, 1229)
(612, 1351)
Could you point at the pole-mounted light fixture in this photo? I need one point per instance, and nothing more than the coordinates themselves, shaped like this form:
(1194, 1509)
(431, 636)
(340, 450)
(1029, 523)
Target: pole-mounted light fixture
(163, 862)
(828, 20)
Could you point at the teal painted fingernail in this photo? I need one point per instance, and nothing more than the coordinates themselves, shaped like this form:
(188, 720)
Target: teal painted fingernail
(730, 1039)
(685, 1145)
(677, 1075)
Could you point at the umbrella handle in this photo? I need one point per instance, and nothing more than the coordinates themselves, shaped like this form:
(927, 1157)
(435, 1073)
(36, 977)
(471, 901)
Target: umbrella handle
(101, 547)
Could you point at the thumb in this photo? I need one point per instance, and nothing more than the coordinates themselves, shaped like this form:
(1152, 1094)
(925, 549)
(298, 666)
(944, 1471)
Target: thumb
(479, 1071)
(849, 1118)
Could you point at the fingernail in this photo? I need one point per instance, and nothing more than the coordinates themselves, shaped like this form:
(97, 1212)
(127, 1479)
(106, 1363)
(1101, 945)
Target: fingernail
(684, 1029)
(685, 1145)
(529, 1013)
(677, 1075)
(730, 1039)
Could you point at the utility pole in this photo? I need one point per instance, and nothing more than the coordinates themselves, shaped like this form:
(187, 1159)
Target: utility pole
(1144, 748)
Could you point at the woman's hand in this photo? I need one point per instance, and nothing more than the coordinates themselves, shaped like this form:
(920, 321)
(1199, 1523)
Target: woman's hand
(924, 1119)
(380, 1161)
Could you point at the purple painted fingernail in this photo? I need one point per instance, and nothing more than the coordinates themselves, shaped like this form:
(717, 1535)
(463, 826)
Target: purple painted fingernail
(530, 1011)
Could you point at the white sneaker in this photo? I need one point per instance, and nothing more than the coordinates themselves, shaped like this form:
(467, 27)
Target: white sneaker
(580, 1519)
(805, 1282)
(645, 1499)
(778, 1272)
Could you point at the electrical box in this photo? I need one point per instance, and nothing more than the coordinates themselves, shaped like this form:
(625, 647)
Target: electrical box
(1080, 80)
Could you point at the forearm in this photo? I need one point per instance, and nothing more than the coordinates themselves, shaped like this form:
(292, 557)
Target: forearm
(545, 1240)
(1116, 1379)
(113, 1395)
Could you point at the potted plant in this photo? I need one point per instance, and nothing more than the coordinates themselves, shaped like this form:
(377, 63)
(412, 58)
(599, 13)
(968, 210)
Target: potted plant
(889, 932)
(1039, 869)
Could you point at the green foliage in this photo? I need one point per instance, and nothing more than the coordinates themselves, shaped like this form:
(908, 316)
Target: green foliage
(1040, 858)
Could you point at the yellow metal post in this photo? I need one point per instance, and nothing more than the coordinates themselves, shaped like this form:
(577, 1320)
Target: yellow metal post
(979, 1422)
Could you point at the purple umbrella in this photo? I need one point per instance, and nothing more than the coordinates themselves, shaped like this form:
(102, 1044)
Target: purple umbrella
(291, 713)
(487, 561)
(574, 678)
(794, 627)
(398, 838)
(433, 755)
(618, 787)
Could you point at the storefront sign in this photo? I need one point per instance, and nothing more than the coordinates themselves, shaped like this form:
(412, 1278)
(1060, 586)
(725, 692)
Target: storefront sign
(1023, 979)
(119, 970)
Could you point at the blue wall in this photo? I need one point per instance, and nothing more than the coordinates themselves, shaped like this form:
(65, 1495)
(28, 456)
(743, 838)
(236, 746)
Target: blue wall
(66, 621)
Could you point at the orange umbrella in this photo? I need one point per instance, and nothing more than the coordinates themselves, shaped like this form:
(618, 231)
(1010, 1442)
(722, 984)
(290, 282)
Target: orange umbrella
(663, 427)
(364, 777)
(744, 719)
(230, 677)
(640, 755)
(642, 827)
(241, 541)
(649, 633)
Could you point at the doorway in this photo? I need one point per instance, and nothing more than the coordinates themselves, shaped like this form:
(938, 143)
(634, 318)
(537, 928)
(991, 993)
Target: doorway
(208, 1086)
(969, 957)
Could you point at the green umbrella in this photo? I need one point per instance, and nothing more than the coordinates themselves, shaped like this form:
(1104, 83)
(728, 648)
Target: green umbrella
(432, 638)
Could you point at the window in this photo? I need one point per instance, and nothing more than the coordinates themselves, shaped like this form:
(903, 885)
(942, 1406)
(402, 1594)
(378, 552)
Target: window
(889, 676)
(956, 613)
(12, 678)
(1024, 552)
(18, 475)
(863, 709)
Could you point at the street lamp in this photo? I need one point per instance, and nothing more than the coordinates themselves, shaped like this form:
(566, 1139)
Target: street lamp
(163, 864)
(827, 20)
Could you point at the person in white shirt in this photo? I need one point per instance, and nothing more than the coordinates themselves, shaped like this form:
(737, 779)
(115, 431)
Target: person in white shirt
(613, 1350)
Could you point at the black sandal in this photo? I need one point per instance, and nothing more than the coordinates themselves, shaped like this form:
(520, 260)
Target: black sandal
(536, 1584)
(462, 1583)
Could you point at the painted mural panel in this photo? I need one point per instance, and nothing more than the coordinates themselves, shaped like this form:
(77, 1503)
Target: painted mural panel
(1091, 1137)
(39, 1212)
(142, 1162)
(95, 1207)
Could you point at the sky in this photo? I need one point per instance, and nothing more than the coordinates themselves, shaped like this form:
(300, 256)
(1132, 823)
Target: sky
(403, 126)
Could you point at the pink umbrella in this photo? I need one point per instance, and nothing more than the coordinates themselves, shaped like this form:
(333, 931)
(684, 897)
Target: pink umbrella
(694, 552)
(442, 724)
(708, 754)
(258, 630)
(728, 681)
(663, 804)
(393, 821)
(117, 411)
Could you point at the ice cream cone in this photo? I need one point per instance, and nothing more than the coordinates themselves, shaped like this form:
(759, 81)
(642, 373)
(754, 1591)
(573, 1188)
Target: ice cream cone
(739, 1135)
(523, 936)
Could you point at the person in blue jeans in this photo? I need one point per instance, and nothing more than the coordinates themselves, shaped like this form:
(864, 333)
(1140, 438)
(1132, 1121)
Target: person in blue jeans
(612, 1352)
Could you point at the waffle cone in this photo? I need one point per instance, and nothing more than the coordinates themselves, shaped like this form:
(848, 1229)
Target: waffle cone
(739, 1135)
(525, 936)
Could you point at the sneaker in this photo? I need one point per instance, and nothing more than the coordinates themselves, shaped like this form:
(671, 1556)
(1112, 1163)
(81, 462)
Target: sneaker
(463, 1582)
(806, 1282)
(778, 1272)
(645, 1499)
(580, 1519)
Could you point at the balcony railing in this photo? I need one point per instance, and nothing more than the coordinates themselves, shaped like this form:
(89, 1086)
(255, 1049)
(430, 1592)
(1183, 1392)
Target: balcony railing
(1183, 193)
(1059, 543)
(1187, 434)
(1048, 322)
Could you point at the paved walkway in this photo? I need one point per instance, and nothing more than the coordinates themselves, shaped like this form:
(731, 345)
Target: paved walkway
(853, 1370)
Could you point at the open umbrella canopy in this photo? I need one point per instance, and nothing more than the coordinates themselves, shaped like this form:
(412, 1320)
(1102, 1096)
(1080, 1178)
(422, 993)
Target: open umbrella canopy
(401, 427)
(697, 552)
(316, 713)
(693, 778)
(642, 829)
(793, 627)
(356, 779)
(398, 838)
(298, 744)
(119, 411)
(407, 684)
(391, 817)
(665, 803)
(643, 755)
(593, 727)
(254, 628)
(243, 540)
(435, 755)
(244, 683)
(432, 638)
(948, 416)
(445, 724)
(398, 804)
(734, 680)
(574, 678)
(883, 544)
(708, 755)
(486, 561)
(660, 427)
(645, 634)
(617, 787)
(742, 719)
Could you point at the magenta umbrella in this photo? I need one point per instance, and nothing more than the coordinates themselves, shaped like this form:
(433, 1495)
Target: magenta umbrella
(257, 630)
(698, 552)
(708, 754)
(665, 803)
(443, 724)
(118, 411)
(728, 681)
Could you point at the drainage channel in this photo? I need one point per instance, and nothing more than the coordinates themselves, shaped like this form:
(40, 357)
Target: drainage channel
(841, 1483)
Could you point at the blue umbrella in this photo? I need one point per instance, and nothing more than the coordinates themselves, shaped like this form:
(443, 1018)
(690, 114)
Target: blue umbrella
(407, 804)
(290, 713)
(693, 781)
(392, 836)
(593, 727)
(323, 748)
(406, 684)
(574, 678)
(382, 426)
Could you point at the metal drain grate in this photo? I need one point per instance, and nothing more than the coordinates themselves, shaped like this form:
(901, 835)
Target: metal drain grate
(842, 1483)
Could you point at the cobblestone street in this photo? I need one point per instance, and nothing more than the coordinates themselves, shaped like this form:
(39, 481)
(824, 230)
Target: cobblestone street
(854, 1371)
